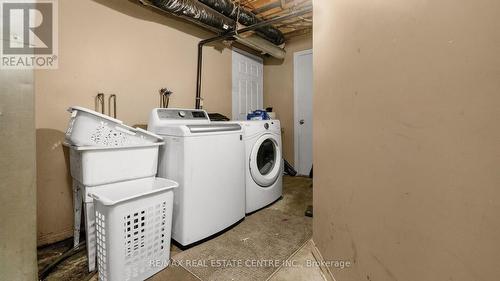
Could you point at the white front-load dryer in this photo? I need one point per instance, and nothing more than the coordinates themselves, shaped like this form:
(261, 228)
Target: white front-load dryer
(263, 163)
(206, 159)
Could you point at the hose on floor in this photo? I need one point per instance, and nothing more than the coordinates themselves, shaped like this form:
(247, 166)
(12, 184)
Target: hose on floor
(91, 274)
(47, 269)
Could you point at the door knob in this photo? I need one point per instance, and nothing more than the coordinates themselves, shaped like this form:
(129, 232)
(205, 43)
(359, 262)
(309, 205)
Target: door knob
(301, 122)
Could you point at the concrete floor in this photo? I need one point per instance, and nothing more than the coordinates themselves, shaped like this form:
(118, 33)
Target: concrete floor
(297, 194)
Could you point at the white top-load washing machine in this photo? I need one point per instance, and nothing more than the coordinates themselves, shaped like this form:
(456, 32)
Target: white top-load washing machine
(206, 159)
(264, 163)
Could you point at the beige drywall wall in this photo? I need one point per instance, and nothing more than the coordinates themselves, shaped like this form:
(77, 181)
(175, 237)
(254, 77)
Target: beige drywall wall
(115, 47)
(17, 176)
(407, 139)
(278, 90)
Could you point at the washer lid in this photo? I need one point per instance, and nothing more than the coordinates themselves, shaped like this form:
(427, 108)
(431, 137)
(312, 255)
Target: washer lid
(265, 160)
(198, 129)
(211, 128)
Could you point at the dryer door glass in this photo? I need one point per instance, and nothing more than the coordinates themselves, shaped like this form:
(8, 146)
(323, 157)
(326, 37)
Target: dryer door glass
(266, 157)
(265, 160)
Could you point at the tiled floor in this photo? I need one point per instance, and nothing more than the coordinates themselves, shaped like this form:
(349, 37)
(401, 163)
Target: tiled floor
(301, 266)
(297, 194)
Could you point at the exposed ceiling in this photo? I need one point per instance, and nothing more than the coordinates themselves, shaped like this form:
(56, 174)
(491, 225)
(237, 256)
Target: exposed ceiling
(268, 9)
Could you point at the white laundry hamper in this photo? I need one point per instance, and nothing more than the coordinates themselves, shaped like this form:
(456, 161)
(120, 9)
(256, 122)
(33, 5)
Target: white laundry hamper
(94, 165)
(92, 168)
(90, 128)
(133, 228)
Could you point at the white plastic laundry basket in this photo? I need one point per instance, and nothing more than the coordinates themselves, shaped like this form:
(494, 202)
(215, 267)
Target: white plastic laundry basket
(88, 127)
(93, 165)
(133, 223)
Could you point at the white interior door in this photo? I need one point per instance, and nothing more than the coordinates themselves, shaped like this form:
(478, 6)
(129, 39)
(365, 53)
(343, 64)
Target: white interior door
(303, 95)
(248, 82)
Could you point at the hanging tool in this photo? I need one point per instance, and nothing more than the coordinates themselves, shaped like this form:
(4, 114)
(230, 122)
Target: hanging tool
(112, 97)
(165, 97)
(99, 102)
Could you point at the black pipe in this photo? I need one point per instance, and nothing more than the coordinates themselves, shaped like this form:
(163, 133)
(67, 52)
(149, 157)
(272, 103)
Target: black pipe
(198, 77)
(229, 35)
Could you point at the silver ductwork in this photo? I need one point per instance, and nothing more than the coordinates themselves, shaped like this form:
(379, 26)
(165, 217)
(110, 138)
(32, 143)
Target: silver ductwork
(258, 43)
(246, 18)
(197, 12)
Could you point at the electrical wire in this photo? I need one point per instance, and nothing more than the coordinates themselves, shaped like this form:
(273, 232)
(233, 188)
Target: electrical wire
(238, 7)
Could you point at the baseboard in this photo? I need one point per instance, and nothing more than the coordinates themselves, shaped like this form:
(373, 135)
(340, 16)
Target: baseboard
(54, 237)
(327, 274)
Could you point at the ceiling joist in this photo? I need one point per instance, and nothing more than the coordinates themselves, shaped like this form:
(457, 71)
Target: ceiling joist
(269, 9)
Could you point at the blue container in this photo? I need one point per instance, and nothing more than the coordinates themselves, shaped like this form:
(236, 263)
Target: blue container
(258, 115)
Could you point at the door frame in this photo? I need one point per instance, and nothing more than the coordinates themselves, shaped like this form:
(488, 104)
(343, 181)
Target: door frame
(295, 112)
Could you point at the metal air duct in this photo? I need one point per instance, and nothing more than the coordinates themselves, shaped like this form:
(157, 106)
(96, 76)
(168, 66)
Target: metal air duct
(245, 17)
(195, 12)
